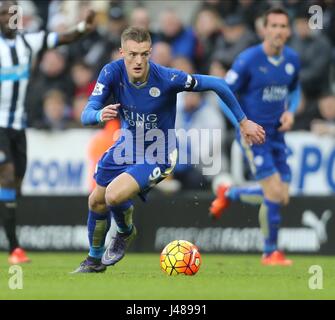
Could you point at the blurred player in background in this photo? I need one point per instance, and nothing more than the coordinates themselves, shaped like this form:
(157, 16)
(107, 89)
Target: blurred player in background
(145, 98)
(17, 53)
(265, 77)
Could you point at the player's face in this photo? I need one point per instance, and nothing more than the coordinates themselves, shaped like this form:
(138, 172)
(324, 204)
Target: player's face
(277, 30)
(5, 16)
(136, 57)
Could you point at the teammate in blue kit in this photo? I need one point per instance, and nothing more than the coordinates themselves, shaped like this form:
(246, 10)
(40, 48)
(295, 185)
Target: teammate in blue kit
(144, 96)
(265, 77)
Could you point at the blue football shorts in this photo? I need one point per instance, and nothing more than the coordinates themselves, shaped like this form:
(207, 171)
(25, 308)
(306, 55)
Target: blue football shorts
(147, 175)
(268, 158)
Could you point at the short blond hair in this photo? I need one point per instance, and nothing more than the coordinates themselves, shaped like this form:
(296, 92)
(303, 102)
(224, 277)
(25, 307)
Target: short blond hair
(135, 34)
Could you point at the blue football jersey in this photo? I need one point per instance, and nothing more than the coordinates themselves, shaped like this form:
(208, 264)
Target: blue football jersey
(263, 83)
(144, 107)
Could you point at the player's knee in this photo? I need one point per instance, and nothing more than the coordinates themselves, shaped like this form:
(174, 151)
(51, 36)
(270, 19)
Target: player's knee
(112, 199)
(275, 193)
(7, 182)
(96, 205)
(7, 178)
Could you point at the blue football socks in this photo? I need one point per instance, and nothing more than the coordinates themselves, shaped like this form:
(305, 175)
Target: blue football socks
(98, 226)
(123, 216)
(269, 219)
(250, 195)
(269, 213)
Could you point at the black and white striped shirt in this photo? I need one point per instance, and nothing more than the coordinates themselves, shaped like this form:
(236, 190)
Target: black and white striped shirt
(16, 56)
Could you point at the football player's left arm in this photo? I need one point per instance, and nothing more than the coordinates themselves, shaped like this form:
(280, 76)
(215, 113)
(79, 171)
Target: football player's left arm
(287, 118)
(293, 99)
(252, 132)
(81, 29)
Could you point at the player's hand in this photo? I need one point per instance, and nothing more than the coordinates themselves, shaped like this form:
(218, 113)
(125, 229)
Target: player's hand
(287, 121)
(89, 21)
(252, 132)
(109, 112)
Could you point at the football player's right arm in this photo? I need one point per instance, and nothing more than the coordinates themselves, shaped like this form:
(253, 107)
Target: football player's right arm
(94, 111)
(234, 78)
(238, 75)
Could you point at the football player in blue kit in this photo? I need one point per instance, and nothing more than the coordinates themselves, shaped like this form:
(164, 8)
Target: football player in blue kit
(144, 96)
(265, 78)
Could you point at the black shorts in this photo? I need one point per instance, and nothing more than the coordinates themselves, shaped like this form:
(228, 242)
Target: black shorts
(13, 149)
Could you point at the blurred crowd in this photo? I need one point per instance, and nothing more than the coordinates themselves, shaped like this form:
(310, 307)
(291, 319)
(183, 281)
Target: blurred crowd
(208, 43)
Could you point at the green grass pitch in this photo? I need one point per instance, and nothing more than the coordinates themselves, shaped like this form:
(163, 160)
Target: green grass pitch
(138, 276)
